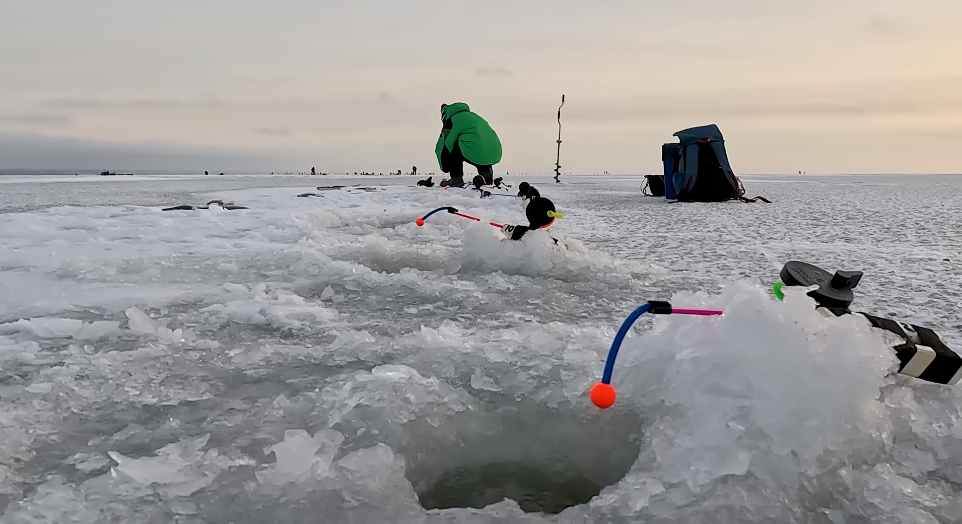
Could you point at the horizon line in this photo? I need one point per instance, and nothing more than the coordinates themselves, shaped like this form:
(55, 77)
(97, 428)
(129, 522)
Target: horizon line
(189, 172)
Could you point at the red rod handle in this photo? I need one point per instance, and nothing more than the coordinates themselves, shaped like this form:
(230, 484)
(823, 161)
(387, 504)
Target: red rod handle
(495, 224)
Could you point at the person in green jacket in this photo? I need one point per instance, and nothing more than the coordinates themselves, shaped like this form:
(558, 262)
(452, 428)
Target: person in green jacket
(466, 137)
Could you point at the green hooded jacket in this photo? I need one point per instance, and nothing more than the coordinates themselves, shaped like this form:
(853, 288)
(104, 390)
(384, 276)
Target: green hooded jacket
(479, 143)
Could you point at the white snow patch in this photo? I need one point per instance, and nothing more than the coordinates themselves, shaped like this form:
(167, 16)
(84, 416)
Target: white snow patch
(301, 457)
(51, 327)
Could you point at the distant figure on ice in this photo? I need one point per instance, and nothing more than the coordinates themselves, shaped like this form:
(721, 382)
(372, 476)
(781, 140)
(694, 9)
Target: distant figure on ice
(313, 172)
(414, 170)
(466, 137)
(427, 182)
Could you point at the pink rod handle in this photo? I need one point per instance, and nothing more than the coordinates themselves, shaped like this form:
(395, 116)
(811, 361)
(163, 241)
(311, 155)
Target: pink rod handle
(700, 312)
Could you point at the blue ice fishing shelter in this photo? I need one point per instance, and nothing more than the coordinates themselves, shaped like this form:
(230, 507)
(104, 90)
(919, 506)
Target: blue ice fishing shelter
(697, 168)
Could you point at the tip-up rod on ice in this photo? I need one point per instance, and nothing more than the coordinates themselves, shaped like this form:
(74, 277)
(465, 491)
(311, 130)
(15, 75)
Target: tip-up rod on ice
(922, 352)
(539, 211)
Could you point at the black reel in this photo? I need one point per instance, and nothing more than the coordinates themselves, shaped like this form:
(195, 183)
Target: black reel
(537, 212)
(922, 354)
(834, 291)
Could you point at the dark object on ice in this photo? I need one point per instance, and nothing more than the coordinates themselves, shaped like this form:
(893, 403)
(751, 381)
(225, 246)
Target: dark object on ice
(220, 203)
(517, 232)
(537, 212)
(526, 190)
(333, 188)
(206, 173)
(108, 173)
(498, 181)
(313, 172)
(310, 195)
(834, 291)
(427, 182)
(654, 186)
(703, 173)
(414, 170)
(697, 168)
(923, 353)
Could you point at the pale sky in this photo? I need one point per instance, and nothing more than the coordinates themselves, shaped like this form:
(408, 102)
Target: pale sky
(824, 86)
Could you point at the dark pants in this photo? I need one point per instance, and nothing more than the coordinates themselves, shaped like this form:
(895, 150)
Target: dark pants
(486, 172)
(453, 162)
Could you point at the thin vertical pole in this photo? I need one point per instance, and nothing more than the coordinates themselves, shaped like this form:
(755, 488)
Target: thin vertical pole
(557, 163)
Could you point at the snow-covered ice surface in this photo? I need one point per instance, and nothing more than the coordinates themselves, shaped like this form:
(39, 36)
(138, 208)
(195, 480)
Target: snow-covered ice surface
(324, 359)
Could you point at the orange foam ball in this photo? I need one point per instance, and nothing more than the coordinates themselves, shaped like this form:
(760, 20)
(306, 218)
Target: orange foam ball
(419, 221)
(603, 395)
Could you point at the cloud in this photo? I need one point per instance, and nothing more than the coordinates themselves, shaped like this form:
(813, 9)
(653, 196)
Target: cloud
(35, 119)
(923, 98)
(89, 103)
(494, 71)
(746, 109)
(210, 102)
(273, 131)
(887, 25)
(41, 152)
(73, 103)
(613, 111)
(164, 104)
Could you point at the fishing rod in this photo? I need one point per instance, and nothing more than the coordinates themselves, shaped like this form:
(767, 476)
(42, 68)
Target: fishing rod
(557, 162)
(603, 393)
(485, 193)
(922, 354)
(454, 211)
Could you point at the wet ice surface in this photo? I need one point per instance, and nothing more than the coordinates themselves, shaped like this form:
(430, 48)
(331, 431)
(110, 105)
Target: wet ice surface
(324, 359)
(22, 194)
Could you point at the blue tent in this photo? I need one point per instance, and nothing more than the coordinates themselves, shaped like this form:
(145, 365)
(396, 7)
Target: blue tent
(697, 168)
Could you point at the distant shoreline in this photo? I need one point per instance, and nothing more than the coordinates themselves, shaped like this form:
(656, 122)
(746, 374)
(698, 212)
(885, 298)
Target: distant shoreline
(181, 174)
